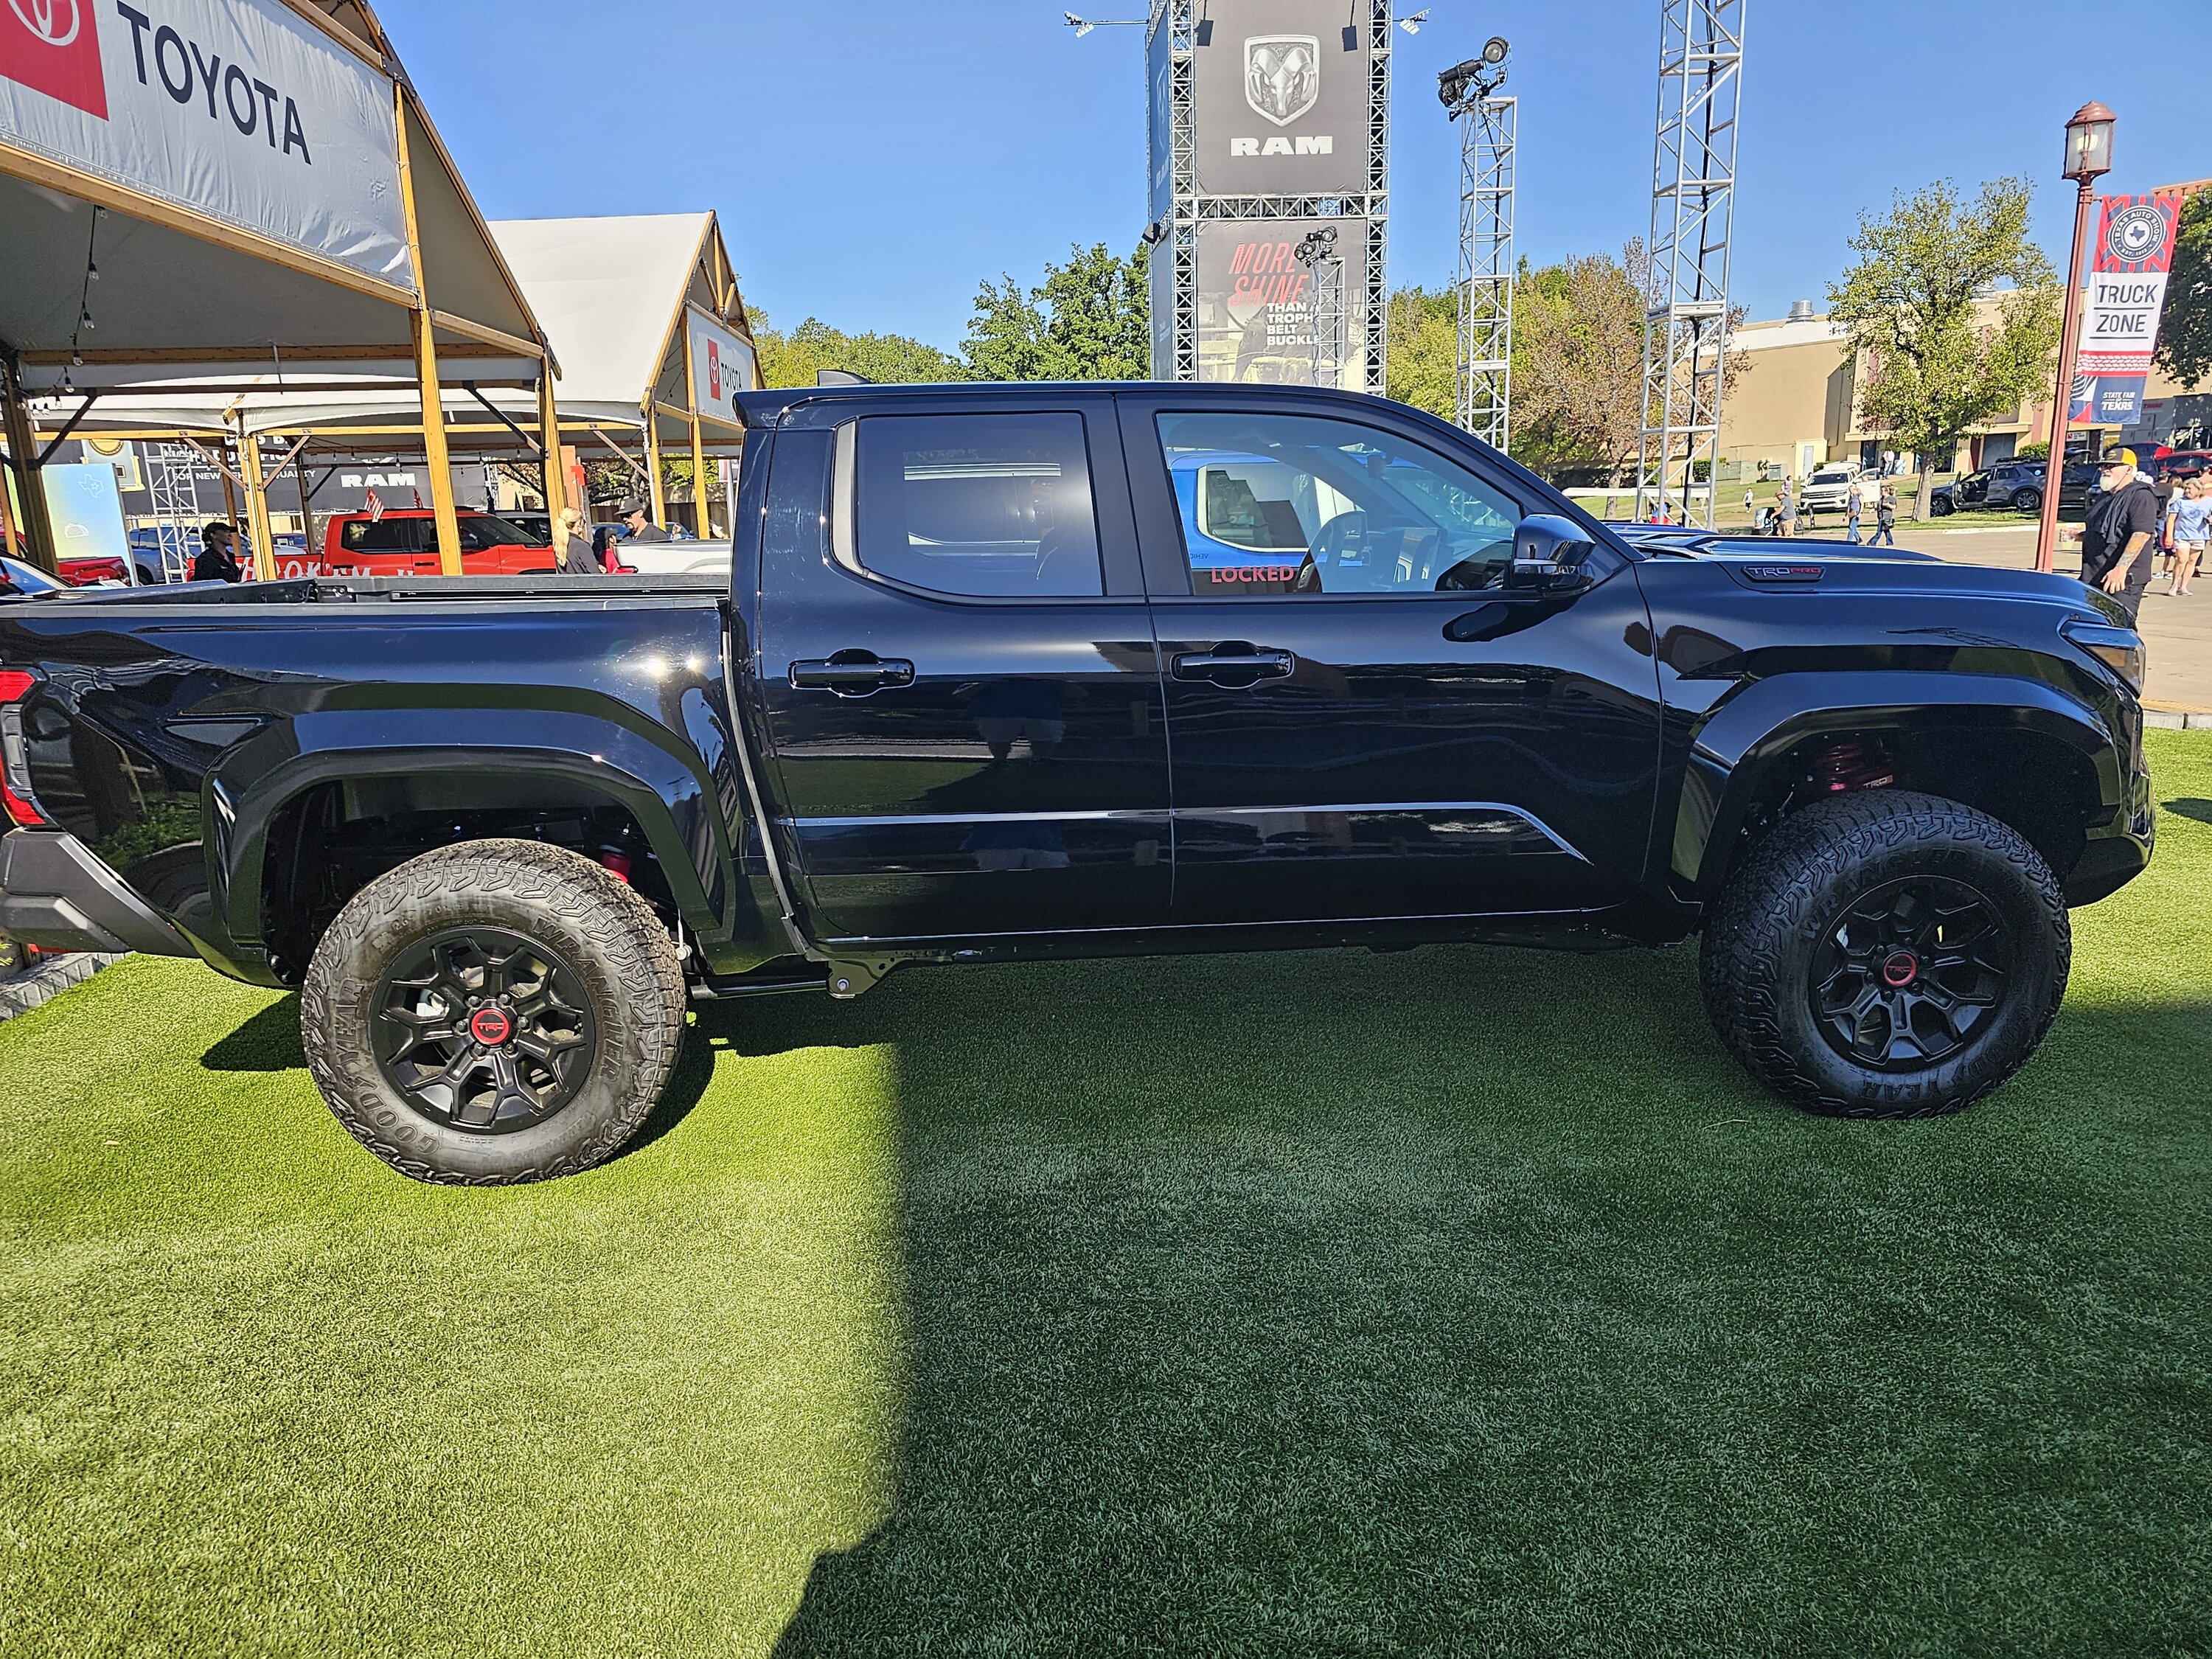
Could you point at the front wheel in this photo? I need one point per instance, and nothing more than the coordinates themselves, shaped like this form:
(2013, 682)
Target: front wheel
(1887, 954)
(493, 1012)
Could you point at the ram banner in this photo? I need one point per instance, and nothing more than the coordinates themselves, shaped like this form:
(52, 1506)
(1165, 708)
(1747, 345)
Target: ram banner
(239, 110)
(2119, 325)
(1279, 98)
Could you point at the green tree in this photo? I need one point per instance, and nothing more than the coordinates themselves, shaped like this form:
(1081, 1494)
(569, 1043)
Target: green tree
(2185, 334)
(1931, 362)
(793, 359)
(1424, 349)
(1090, 319)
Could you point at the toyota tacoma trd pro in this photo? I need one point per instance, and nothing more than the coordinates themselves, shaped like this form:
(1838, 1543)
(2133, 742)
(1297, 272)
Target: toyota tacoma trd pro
(1020, 672)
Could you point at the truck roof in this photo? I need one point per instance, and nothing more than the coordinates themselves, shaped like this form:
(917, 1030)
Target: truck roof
(765, 409)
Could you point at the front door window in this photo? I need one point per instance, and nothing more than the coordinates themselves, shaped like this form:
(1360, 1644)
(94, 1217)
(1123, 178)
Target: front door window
(1276, 505)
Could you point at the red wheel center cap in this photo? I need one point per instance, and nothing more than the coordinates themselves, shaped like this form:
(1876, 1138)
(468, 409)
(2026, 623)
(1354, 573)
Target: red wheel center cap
(490, 1026)
(1901, 968)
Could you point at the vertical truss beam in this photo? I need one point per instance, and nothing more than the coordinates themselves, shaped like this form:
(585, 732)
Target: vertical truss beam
(1483, 387)
(1692, 213)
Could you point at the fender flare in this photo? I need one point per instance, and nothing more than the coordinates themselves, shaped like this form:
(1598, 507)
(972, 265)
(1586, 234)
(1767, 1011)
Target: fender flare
(1732, 745)
(655, 786)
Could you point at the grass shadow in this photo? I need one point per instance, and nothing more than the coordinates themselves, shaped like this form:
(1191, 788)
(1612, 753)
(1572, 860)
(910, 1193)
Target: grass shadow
(1333, 1303)
(2190, 807)
(269, 1041)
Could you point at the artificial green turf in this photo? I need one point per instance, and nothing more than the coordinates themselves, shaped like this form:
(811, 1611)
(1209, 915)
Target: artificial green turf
(1459, 1300)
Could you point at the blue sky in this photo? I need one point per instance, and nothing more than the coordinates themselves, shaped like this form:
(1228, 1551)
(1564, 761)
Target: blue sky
(871, 160)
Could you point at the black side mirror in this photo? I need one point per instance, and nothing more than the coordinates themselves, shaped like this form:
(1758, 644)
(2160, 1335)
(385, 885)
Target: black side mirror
(1553, 555)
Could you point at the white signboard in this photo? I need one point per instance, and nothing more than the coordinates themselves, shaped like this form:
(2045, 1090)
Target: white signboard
(721, 368)
(241, 110)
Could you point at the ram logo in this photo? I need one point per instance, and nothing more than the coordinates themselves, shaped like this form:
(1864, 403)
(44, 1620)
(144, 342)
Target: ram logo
(1303, 145)
(1282, 76)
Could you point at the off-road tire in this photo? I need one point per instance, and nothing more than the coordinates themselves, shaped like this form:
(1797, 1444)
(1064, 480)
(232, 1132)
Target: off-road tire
(618, 948)
(1795, 885)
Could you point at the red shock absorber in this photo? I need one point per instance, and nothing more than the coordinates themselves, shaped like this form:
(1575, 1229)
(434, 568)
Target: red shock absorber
(615, 864)
(1843, 766)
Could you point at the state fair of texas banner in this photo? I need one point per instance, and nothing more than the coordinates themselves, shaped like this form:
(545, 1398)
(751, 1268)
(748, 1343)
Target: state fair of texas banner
(2127, 291)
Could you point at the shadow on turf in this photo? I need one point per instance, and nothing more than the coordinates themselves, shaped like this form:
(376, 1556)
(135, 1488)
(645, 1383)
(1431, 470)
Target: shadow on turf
(1234, 1325)
(269, 1042)
(2190, 807)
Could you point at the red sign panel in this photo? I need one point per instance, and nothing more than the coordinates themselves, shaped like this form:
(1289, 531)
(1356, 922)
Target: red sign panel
(53, 46)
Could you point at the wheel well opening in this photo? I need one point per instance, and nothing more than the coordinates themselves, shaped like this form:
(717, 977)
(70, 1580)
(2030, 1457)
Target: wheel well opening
(332, 840)
(2040, 786)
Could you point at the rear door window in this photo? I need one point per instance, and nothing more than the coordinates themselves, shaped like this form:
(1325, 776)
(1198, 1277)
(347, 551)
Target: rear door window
(981, 506)
(383, 536)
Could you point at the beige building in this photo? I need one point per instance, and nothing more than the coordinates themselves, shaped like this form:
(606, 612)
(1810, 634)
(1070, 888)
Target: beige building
(1797, 406)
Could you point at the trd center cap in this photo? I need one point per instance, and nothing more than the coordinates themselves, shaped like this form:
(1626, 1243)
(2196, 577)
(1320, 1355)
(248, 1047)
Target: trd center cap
(491, 1026)
(1900, 968)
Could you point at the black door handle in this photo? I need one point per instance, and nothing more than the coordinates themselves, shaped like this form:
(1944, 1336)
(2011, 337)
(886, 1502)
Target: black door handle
(1233, 662)
(850, 673)
(1497, 619)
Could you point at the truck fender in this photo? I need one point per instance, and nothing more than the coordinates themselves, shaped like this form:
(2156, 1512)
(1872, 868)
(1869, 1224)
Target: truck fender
(1733, 745)
(673, 805)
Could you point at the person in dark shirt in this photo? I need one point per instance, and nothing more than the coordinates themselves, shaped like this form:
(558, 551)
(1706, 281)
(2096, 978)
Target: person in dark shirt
(641, 527)
(2119, 540)
(217, 559)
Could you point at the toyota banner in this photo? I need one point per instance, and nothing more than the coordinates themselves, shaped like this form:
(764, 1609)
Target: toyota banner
(241, 110)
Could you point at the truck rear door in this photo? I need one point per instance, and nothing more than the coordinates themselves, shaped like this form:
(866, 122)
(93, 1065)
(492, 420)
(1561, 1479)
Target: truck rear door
(963, 694)
(1365, 723)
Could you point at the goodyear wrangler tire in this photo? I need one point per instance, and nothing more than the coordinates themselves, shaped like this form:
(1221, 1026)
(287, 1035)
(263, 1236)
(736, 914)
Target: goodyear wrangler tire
(491, 1013)
(1887, 954)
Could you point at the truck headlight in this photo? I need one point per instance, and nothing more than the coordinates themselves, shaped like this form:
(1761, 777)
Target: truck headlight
(2120, 649)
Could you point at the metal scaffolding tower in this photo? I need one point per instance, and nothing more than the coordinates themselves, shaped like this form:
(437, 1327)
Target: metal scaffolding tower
(1483, 383)
(1693, 208)
(1174, 234)
(1318, 254)
(173, 483)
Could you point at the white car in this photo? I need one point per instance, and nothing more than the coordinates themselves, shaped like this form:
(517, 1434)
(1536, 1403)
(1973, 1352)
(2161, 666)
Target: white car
(674, 558)
(1827, 490)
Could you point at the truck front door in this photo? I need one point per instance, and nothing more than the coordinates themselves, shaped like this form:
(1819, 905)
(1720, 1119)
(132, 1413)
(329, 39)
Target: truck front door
(962, 689)
(1366, 722)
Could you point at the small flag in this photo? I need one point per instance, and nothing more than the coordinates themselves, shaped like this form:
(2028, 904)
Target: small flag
(375, 503)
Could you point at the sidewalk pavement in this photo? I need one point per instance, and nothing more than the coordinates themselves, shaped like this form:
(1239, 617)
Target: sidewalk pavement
(2178, 633)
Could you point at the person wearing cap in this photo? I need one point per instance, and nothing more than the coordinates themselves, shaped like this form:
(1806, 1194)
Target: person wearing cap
(217, 559)
(641, 527)
(2120, 537)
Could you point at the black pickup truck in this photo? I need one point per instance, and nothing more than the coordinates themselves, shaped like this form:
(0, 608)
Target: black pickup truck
(1018, 672)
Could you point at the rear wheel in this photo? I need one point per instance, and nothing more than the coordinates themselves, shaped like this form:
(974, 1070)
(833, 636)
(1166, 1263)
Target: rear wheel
(496, 1011)
(2027, 500)
(1887, 954)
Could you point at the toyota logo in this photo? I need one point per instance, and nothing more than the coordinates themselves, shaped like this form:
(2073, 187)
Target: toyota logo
(44, 18)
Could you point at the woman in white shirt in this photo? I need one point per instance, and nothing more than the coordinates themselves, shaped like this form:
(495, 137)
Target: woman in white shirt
(2189, 521)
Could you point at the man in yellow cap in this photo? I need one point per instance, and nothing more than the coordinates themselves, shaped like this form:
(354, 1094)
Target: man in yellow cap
(2117, 540)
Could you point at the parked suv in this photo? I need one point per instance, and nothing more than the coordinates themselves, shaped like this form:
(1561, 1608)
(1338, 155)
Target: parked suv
(1829, 489)
(404, 541)
(2016, 486)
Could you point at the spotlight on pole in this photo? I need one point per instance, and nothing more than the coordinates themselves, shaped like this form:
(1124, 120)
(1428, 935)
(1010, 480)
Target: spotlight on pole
(1413, 25)
(1476, 79)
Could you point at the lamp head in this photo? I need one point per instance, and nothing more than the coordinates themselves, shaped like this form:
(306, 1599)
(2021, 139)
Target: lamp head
(2089, 142)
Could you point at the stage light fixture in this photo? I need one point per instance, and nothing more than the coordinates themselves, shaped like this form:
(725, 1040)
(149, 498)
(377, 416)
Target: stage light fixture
(1413, 25)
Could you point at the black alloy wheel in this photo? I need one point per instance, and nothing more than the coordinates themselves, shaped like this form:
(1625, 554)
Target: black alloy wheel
(484, 1029)
(1910, 974)
(493, 1011)
(2027, 500)
(1885, 953)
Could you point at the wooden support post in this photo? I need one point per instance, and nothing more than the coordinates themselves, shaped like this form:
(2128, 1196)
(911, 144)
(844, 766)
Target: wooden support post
(435, 454)
(259, 536)
(654, 485)
(548, 441)
(700, 523)
(22, 461)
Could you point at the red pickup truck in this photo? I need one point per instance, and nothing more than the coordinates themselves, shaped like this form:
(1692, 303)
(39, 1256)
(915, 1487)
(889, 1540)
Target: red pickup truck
(404, 541)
